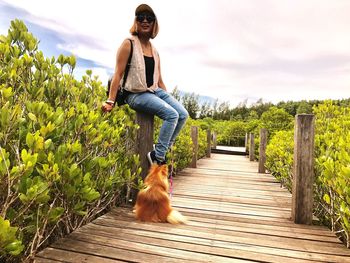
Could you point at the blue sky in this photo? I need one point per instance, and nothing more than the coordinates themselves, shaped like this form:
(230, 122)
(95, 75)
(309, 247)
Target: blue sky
(228, 49)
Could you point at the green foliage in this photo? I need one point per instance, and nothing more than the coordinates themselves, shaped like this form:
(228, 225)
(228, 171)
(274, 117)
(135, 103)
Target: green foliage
(332, 165)
(62, 161)
(304, 108)
(276, 120)
(230, 132)
(9, 243)
(190, 102)
(279, 157)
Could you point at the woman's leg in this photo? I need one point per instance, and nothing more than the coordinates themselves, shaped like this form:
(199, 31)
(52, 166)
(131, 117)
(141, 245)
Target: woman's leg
(150, 103)
(183, 114)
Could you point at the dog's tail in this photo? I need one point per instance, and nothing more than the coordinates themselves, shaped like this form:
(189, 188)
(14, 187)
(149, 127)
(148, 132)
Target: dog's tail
(175, 217)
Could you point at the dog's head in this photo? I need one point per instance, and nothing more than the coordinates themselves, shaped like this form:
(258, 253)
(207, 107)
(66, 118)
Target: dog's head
(158, 174)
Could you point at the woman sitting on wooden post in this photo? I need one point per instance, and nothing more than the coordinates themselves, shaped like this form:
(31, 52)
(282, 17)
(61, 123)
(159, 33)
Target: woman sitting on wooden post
(146, 90)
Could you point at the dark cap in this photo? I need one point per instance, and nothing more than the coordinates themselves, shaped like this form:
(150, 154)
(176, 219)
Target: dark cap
(143, 8)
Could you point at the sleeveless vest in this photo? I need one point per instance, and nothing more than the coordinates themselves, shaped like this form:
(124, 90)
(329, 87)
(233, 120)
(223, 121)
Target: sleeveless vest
(136, 80)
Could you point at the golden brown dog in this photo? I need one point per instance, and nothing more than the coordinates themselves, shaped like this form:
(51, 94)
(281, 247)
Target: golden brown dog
(153, 202)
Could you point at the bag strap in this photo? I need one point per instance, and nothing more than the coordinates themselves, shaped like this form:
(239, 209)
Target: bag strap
(127, 65)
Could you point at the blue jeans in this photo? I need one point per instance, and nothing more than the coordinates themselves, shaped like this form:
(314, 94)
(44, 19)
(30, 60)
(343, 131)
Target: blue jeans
(166, 107)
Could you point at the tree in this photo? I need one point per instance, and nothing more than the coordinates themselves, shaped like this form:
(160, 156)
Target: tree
(176, 94)
(191, 104)
(276, 119)
(205, 110)
(260, 107)
(304, 107)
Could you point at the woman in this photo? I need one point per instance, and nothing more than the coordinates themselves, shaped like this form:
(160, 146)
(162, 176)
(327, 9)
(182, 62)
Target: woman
(144, 81)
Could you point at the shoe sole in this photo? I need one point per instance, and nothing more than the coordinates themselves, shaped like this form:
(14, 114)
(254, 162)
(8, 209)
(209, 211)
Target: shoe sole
(149, 158)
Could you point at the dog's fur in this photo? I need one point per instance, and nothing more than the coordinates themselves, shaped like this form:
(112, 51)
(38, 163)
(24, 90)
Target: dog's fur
(153, 202)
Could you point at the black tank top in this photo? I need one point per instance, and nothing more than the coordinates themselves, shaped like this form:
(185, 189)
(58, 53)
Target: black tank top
(149, 63)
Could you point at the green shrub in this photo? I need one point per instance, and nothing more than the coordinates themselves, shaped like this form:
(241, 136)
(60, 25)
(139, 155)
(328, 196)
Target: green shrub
(62, 160)
(279, 157)
(332, 165)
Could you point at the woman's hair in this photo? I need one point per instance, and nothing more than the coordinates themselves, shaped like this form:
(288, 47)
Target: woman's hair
(133, 29)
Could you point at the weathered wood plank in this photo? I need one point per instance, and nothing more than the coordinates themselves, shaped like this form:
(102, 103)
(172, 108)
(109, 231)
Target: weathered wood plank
(303, 169)
(194, 137)
(112, 252)
(233, 236)
(262, 150)
(59, 255)
(210, 245)
(251, 147)
(235, 213)
(257, 228)
(186, 243)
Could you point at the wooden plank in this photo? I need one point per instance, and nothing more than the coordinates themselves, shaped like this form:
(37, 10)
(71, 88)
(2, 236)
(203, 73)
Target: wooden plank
(236, 215)
(149, 249)
(233, 199)
(186, 242)
(134, 254)
(233, 236)
(250, 228)
(46, 260)
(58, 255)
(128, 216)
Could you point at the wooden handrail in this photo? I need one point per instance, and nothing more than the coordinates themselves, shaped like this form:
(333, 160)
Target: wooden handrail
(194, 136)
(303, 169)
(262, 150)
(251, 147)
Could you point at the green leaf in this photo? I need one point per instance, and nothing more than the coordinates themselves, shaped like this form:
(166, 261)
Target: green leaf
(30, 140)
(55, 214)
(327, 199)
(32, 117)
(14, 248)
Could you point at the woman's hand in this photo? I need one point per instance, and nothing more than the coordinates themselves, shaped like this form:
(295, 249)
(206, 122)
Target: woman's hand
(106, 107)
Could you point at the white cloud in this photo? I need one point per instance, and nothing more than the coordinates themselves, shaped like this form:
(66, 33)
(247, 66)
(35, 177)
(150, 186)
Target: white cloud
(230, 49)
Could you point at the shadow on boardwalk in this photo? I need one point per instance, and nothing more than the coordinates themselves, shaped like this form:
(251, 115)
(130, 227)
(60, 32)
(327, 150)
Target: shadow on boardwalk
(236, 215)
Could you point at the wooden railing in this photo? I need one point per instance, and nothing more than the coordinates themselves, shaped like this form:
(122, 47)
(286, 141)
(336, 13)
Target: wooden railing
(144, 144)
(303, 168)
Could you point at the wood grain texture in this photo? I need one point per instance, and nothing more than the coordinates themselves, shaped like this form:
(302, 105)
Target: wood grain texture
(235, 215)
(251, 147)
(303, 169)
(194, 137)
(262, 150)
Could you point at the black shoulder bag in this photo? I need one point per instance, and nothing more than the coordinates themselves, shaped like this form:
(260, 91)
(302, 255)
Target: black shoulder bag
(122, 93)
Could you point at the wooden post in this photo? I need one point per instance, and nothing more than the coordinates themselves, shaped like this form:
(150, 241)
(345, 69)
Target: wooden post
(208, 143)
(214, 140)
(303, 170)
(194, 136)
(251, 147)
(144, 144)
(246, 143)
(262, 150)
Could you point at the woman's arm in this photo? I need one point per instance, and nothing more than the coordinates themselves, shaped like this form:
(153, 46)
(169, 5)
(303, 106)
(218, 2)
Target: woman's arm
(121, 61)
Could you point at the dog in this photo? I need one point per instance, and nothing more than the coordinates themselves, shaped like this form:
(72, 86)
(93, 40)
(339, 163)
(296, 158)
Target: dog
(153, 202)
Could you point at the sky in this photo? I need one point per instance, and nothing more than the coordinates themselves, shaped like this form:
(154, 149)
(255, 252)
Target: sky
(233, 50)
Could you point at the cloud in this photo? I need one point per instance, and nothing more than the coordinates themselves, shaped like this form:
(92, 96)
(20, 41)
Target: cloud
(230, 49)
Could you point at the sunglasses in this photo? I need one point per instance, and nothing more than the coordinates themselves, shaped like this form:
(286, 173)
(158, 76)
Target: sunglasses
(142, 17)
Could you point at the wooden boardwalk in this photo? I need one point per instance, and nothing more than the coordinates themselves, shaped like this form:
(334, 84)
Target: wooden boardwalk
(236, 215)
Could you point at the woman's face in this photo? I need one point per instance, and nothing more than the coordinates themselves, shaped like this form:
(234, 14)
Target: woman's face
(145, 22)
